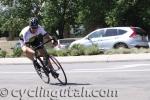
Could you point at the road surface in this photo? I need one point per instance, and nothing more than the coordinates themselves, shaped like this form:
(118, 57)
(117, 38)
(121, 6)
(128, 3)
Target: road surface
(86, 81)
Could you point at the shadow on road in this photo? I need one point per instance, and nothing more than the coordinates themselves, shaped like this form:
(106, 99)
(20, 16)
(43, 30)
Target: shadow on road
(58, 84)
(78, 84)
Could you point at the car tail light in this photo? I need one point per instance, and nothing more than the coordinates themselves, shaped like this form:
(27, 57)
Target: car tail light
(133, 35)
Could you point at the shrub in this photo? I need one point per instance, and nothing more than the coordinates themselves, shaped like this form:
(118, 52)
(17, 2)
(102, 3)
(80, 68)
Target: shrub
(64, 52)
(52, 52)
(77, 50)
(78, 46)
(17, 52)
(127, 51)
(92, 50)
(143, 50)
(3, 53)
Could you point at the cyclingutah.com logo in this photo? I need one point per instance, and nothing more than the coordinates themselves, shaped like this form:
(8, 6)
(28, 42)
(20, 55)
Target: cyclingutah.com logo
(54, 94)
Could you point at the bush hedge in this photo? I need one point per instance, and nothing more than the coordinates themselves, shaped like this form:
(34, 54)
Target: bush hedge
(92, 50)
(78, 50)
(2, 53)
(127, 51)
(17, 52)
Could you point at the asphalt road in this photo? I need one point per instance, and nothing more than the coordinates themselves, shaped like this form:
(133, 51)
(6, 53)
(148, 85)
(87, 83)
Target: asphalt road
(86, 81)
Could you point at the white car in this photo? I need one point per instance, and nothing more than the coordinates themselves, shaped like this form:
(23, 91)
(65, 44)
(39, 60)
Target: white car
(115, 37)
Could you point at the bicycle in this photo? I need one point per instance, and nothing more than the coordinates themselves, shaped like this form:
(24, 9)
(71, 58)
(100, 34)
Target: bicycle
(44, 71)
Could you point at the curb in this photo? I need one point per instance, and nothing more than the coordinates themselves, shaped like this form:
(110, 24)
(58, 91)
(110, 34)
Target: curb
(84, 59)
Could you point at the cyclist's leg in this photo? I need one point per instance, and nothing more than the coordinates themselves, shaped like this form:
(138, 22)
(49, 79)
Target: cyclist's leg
(28, 52)
(43, 54)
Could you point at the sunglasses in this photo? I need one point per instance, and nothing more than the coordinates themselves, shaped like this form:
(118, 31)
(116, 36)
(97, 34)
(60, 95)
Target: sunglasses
(34, 27)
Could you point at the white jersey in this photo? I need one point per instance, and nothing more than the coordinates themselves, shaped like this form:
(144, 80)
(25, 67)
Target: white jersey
(27, 36)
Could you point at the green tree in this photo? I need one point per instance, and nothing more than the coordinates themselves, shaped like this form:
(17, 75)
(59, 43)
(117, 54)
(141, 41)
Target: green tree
(16, 15)
(58, 15)
(93, 13)
(130, 13)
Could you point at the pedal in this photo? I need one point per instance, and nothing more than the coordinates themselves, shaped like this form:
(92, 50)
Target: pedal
(54, 74)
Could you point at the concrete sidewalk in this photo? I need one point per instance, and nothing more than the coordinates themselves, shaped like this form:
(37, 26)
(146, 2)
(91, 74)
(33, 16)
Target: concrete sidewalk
(82, 59)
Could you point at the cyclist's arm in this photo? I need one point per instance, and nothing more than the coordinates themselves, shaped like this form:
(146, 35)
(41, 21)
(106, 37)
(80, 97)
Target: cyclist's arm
(25, 46)
(48, 37)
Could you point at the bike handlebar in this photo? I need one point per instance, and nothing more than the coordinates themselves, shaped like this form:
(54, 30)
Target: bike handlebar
(42, 44)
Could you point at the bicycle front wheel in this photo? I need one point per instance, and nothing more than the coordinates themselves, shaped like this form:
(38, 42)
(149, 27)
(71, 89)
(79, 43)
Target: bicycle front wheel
(59, 70)
(41, 71)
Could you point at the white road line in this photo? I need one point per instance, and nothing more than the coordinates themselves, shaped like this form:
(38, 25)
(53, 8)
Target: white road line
(17, 72)
(84, 71)
(122, 68)
(114, 68)
(108, 71)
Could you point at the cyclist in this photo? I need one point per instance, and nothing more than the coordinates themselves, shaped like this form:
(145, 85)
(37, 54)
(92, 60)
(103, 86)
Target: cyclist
(33, 35)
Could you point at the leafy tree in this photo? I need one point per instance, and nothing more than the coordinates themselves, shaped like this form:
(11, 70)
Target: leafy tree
(58, 15)
(130, 13)
(93, 12)
(16, 15)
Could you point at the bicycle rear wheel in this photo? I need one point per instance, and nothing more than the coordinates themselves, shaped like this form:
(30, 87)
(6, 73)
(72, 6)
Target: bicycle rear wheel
(42, 72)
(58, 69)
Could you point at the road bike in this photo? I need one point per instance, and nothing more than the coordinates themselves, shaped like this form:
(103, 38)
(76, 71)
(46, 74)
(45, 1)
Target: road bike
(47, 72)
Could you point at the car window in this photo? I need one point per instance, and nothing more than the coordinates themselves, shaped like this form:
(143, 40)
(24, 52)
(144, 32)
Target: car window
(139, 31)
(96, 34)
(120, 32)
(110, 32)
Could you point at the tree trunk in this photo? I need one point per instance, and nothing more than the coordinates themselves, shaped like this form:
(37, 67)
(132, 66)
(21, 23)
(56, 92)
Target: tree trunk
(10, 37)
(61, 31)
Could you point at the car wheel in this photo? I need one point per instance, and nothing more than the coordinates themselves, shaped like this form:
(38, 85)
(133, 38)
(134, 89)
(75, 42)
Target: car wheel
(120, 45)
